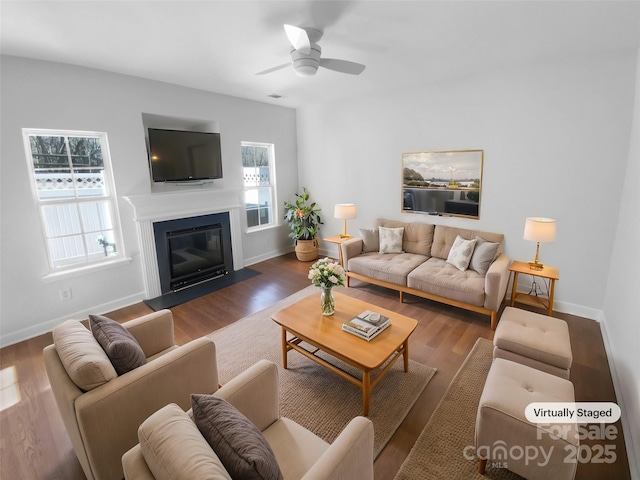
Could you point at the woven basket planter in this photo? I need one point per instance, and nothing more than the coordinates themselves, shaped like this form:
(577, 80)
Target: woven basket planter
(307, 250)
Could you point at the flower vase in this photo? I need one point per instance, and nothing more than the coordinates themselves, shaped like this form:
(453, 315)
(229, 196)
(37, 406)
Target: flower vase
(326, 301)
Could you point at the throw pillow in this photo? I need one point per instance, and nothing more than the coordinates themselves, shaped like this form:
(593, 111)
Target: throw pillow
(82, 356)
(391, 239)
(461, 252)
(120, 346)
(483, 255)
(370, 240)
(174, 449)
(239, 444)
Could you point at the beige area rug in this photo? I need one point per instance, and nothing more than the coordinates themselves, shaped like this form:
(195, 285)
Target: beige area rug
(439, 452)
(311, 395)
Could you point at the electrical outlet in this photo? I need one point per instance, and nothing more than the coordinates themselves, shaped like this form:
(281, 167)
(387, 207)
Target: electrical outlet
(65, 294)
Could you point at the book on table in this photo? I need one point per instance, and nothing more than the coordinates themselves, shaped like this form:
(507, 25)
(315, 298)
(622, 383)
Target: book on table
(367, 324)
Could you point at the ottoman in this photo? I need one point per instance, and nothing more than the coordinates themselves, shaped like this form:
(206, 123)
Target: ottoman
(505, 437)
(536, 340)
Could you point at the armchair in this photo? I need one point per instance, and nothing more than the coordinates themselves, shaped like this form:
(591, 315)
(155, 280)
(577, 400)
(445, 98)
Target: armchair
(300, 454)
(102, 423)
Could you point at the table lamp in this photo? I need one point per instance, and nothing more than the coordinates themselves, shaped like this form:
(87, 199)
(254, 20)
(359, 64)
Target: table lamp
(538, 229)
(345, 211)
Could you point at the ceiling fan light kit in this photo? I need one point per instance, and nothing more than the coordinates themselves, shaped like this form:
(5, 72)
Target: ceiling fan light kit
(306, 55)
(306, 65)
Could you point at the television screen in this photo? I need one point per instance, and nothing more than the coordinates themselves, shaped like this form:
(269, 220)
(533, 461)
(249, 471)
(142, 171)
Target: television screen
(178, 155)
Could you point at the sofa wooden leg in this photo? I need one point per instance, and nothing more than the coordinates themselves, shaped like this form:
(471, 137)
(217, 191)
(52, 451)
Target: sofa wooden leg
(401, 296)
(494, 320)
(482, 466)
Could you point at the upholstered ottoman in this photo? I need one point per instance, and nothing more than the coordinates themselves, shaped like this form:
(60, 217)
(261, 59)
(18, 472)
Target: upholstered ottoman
(507, 439)
(536, 340)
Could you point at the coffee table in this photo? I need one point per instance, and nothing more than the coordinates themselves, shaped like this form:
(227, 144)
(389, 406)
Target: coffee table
(303, 322)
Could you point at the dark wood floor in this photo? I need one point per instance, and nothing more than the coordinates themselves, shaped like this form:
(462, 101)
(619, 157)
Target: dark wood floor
(35, 444)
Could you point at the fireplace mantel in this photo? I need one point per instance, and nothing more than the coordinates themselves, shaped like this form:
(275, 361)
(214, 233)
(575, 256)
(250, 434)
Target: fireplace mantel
(158, 207)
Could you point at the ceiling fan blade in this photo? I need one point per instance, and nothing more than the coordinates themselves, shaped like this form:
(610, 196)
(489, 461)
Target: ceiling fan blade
(343, 66)
(274, 69)
(298, 38)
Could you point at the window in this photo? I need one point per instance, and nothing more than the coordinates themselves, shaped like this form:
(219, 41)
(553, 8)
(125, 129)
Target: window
(74, 191)
(258, 172)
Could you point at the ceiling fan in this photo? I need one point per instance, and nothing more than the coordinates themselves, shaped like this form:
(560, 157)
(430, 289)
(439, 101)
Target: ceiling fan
(306, 55)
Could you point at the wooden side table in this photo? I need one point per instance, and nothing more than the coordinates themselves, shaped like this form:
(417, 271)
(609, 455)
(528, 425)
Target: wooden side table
(532, 298)
(337, 239)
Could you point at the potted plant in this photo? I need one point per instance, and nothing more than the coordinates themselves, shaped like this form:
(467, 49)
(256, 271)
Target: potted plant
(304, 220)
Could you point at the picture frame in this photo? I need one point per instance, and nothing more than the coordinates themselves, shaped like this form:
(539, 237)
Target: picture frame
(441, 183)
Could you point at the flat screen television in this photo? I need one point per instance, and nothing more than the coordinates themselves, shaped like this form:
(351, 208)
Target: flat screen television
(183, 156)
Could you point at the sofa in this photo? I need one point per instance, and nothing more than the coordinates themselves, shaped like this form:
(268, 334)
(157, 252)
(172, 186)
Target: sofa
(101, 409)
(428, 261)
(174, 444)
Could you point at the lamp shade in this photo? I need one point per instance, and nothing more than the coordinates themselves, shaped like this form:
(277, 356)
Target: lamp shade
(538, 229)
(344, 210)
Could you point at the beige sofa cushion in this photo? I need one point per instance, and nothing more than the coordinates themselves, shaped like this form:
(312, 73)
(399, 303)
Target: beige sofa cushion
(174, 449)
(437, 277)
(82, 356)
(417, 237)
(444, 237)
(387, 267)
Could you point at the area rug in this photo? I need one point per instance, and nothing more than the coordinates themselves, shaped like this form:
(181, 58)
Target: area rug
(444, 449)
(312, 396)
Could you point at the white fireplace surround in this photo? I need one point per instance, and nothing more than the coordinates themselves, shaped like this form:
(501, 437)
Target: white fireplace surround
(158, 207)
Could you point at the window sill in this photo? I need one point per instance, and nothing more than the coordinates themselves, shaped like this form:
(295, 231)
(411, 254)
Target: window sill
(261, 228)
(79, 271)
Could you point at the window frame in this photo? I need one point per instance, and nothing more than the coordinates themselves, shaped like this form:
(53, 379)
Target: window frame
(109, 196)
(271, 187)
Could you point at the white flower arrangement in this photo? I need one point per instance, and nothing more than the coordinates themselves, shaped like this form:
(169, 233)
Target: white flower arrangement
(326, 274)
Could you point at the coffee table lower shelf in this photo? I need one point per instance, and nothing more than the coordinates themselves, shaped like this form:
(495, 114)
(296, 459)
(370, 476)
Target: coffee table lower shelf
(365, 384)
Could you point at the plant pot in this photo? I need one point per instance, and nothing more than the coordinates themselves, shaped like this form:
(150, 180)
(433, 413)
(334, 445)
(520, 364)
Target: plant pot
(307, 250)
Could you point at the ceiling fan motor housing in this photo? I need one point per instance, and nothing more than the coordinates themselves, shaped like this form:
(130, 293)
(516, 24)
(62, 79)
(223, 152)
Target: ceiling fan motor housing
(306, 65)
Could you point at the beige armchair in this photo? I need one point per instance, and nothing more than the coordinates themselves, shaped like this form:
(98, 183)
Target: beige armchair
(300, 454)
(102, 423)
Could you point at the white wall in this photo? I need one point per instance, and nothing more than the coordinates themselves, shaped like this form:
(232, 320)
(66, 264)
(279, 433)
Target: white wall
(621, 325)
(48, 95)
(555, 139)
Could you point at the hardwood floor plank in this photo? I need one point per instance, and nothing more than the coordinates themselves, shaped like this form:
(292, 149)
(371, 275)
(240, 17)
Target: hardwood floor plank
(35, 444)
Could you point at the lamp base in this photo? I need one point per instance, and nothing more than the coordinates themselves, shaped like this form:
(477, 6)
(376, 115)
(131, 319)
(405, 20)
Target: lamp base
(344, 235)
(536, 266)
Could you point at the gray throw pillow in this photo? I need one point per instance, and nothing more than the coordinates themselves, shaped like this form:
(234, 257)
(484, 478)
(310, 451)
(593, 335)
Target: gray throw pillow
(121, 347)
(239, 444)
(483, 255)
(370, 240)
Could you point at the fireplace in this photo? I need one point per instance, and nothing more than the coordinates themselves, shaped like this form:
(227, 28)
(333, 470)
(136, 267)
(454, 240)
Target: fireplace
(193, 250)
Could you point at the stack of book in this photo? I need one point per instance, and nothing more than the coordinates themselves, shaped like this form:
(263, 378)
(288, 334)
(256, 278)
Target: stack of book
(367, 325)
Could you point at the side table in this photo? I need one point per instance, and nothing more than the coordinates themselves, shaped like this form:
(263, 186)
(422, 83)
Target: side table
(337, 239)
(532, 298)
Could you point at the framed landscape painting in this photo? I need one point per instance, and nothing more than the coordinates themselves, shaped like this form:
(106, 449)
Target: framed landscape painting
(442, 183)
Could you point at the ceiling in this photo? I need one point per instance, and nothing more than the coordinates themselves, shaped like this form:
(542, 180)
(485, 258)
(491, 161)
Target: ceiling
(219, 45)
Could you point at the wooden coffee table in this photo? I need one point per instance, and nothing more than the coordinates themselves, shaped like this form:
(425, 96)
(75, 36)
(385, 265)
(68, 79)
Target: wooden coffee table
(304, 322)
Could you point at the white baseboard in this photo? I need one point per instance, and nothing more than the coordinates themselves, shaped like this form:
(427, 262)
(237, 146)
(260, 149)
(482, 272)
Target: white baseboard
(627, 428)
(266, 256)
(45, 327)
(566, 307)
